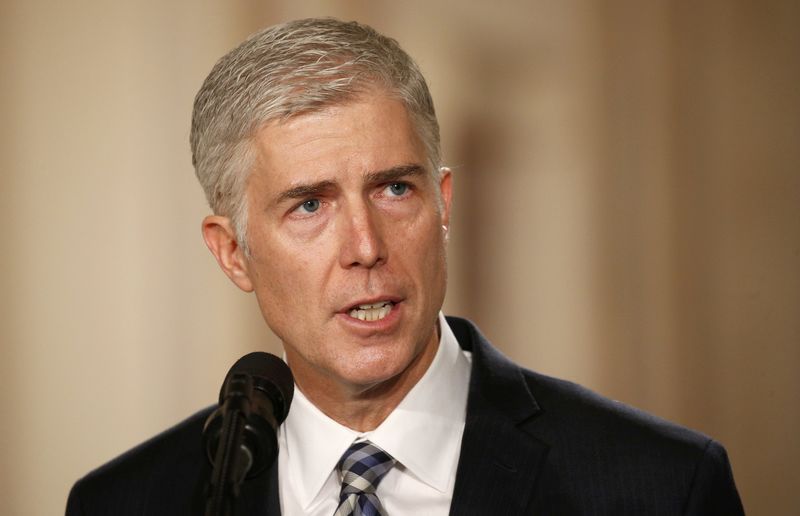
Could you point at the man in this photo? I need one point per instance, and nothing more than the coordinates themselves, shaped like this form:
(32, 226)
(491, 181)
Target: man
(317, 145)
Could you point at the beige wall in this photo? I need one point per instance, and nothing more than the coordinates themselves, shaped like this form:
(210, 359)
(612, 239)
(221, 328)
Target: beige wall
(627, 215)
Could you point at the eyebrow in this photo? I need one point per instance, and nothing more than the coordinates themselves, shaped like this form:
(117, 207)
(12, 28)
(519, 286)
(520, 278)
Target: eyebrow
(394, 173)
(304, 191)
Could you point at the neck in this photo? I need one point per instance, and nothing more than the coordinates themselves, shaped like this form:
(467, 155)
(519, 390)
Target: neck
(364, 407)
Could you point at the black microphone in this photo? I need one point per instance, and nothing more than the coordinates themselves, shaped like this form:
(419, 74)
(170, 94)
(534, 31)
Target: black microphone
(240, 435)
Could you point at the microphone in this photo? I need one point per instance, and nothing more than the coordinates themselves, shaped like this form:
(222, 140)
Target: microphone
(240, 435)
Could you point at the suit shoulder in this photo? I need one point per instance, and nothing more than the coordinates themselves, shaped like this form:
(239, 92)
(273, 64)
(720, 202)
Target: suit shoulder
(174, 442)
(595, 455)
(167, 462)
(628, 452)
(579, 408)
(559, 409)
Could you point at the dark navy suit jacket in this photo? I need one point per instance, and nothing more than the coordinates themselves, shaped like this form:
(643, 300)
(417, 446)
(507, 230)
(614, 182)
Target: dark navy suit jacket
(532, 445)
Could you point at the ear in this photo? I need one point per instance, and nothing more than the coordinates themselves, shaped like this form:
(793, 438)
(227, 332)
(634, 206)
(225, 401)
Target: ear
(446, 191)
(221, 241)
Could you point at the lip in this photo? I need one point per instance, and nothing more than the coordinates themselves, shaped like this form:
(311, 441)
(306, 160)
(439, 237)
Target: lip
(370, 301)
(370, 328)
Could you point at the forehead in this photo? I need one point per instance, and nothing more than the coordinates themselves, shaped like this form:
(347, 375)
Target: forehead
(372, 132)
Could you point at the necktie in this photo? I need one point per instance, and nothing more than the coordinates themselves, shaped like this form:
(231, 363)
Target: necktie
(362, 466)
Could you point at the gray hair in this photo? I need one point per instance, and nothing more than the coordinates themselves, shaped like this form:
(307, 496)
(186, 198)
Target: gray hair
(286, 70)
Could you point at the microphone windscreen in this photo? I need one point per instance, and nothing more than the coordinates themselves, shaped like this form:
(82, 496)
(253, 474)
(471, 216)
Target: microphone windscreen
(271, 375)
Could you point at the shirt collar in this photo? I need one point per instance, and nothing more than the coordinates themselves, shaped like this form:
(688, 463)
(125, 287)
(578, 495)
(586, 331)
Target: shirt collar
(419, 433)
(313, 444)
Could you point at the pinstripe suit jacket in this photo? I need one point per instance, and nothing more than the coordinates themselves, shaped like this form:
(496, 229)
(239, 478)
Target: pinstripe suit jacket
(532, 445)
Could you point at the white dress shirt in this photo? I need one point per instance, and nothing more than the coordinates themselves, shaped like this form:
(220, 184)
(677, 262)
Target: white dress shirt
(423, 434)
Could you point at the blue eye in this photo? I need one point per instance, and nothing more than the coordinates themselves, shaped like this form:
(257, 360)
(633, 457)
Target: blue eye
(310, 206)
(398, 188)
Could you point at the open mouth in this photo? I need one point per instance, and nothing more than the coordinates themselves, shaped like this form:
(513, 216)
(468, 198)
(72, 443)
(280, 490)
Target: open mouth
(371, 312)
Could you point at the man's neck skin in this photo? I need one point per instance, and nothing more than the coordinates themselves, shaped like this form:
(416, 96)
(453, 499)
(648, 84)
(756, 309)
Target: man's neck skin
(363, 407)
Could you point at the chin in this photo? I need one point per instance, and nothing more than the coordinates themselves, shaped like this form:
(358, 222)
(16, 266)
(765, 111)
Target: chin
(374, 370)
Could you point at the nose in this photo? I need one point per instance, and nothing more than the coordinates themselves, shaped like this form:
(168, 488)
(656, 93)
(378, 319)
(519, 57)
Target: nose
(362, 241)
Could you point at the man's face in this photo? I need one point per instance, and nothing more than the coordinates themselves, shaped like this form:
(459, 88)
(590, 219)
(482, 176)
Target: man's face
(347, 244)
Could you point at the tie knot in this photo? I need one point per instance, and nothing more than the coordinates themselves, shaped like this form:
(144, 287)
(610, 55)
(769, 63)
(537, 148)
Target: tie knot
(363, 466)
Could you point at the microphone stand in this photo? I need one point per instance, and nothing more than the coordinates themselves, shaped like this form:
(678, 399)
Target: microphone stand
(232, 460)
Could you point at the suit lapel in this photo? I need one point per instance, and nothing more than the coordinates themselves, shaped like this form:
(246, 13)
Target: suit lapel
(499, 460)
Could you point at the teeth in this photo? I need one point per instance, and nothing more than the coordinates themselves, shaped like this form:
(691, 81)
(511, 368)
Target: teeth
(372, 312)
(373, 305)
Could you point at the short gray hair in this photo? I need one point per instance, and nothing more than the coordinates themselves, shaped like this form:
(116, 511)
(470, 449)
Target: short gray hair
(286, 70)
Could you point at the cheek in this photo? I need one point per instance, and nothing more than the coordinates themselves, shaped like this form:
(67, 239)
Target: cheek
(284, 286)
(428, 245)
(423, 258)
(288, 281)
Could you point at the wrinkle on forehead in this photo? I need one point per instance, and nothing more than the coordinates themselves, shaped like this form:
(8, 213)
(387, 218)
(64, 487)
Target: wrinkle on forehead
(300, 146)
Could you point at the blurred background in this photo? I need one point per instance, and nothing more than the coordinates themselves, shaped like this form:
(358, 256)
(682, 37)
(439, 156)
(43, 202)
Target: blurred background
(627, 215)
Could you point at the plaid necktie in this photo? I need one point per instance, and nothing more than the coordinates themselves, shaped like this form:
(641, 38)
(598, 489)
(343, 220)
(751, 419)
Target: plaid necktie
(362, 466)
